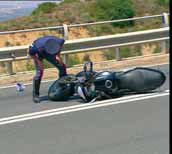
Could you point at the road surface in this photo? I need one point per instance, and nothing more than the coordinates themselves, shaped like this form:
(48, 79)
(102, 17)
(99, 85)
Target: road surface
(136, 124)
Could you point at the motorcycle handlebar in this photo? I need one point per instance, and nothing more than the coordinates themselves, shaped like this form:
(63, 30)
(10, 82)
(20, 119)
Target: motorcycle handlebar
(91, 66)
(85, 69)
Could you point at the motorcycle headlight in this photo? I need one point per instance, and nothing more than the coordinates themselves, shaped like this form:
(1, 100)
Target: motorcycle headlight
(81, 92)
(86, 93)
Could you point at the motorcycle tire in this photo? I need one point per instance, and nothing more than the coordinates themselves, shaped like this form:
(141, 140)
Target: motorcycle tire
(58, 92)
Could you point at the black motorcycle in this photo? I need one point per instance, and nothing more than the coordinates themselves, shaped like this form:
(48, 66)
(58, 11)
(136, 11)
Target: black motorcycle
(92, 86)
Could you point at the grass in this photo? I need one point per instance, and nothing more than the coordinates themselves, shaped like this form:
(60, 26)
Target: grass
(125, 52)
(73, 60)
(29, 65)
(8, 44)
(23, 36)
(109, 54)
(157, 50)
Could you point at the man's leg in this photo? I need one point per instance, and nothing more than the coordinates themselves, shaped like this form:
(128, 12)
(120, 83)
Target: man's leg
(37, 79)
(61, 67)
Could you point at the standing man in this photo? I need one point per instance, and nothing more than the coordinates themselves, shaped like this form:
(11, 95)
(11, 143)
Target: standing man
(48, 48)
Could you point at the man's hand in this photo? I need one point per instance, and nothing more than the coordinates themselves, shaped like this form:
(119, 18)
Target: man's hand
(67, 79)
(59, 59)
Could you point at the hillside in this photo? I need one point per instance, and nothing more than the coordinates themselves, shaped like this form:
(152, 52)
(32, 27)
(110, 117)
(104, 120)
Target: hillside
(10, 10)
(76, 11)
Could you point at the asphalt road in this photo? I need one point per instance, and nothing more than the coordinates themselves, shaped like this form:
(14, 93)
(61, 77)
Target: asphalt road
(134, 127)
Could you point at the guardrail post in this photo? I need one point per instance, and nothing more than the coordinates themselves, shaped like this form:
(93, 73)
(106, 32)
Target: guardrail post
(117, 54)
(9, 67)
(65, 31)
(165, 23)
(66, 57)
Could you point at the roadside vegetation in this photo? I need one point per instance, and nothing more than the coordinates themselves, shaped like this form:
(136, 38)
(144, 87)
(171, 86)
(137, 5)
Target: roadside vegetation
(75, 11)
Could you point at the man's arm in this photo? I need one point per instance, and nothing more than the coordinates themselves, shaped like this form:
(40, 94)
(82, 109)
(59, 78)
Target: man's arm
(58, 57)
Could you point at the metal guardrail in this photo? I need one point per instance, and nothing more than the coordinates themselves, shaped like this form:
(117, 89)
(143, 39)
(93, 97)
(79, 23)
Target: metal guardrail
(91, 44)
(163, 15)
(115, 21)
(11, 54)
(94, 43)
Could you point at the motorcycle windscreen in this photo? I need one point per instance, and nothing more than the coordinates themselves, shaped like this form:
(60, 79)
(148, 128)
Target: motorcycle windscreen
(141, 79)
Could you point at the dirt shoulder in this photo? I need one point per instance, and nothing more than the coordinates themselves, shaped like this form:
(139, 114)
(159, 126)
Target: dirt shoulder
(51, 74)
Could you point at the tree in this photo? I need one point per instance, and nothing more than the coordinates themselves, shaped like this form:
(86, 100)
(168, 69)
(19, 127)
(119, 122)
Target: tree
(116, 9)
(46, 7)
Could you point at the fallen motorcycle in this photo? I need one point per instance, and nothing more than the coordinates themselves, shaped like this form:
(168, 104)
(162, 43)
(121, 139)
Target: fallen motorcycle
(92, 86)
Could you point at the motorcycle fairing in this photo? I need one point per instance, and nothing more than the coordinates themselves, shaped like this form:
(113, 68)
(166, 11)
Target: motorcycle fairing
(105, 81)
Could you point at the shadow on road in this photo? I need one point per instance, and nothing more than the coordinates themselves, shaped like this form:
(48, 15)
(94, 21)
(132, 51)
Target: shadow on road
(44, 99)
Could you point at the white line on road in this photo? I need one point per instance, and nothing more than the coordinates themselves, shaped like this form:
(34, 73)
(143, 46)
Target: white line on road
(75, 108)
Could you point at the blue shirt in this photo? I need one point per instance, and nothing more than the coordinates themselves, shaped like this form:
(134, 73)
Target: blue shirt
(50, 44)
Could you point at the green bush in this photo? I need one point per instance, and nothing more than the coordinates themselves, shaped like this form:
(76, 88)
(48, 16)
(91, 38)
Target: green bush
(157, 50)
(73, 60)
(43, 34)
(8, 44)
(109, 54)
(18, 43)
(137, 51)
(99, 30)
(125, 52)
(114, 10)
(29, 66)
(2, 64)
(70, 1)
(86, 58)
(47, 64)
(163, 2)
(23, 36)
(47, 7)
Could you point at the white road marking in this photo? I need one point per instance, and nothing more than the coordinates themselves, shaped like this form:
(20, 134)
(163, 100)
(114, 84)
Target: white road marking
(58, 111)
(45, 81)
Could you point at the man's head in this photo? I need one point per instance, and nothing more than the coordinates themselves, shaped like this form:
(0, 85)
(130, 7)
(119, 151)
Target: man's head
(33, 50)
